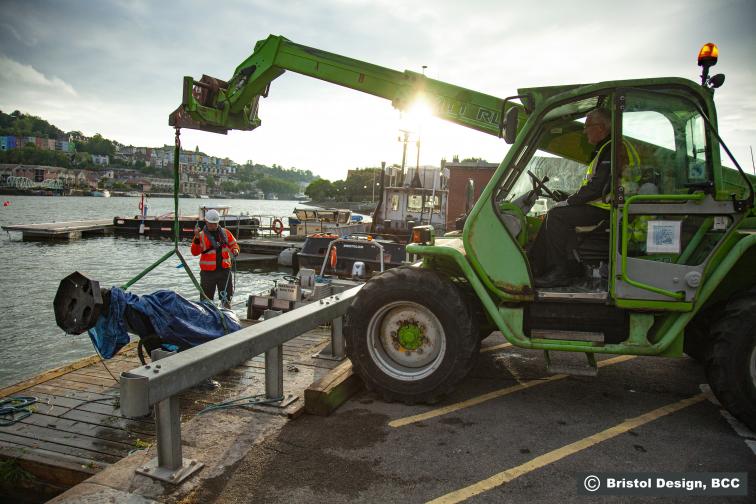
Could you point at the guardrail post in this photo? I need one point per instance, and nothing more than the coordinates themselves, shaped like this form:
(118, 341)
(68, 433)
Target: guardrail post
(274, 389)
(338, 348)
(169, 465)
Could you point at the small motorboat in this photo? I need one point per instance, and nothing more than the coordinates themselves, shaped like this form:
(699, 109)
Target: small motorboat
(358, 256)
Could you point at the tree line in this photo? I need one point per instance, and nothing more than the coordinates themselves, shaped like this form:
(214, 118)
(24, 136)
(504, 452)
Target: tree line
(276, 179)
(361, 184)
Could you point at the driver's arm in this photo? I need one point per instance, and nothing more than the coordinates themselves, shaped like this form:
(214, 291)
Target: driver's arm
(596, 186)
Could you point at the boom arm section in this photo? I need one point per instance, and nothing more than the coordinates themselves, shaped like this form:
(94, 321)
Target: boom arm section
(214, 105)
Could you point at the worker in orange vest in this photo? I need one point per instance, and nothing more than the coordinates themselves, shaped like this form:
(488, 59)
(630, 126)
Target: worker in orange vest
(214, 244)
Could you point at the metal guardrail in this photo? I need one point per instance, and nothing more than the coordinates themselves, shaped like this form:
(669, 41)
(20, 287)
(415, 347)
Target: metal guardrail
(159, 382)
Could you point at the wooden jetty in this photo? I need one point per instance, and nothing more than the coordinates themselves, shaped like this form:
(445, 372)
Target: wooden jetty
(70, 230)
(76, 428)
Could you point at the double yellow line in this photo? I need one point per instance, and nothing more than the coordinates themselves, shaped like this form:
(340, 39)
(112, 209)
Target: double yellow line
(401, 422)
(565, 451)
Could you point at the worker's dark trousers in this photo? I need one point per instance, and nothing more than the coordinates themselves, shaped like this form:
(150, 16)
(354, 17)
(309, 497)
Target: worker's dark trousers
(218, 279)
(556, 240)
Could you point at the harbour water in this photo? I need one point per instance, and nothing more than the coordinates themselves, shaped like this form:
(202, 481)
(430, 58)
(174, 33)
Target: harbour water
(30, 341)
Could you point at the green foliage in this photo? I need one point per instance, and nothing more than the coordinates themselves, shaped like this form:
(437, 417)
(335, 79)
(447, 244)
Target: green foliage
(210, 180)
(252, 172)
(19, 124)
(30, 155)
(97, 145)
(12, 472)
(283, 188)
(359, 184)
(229, 186)
(319, 190)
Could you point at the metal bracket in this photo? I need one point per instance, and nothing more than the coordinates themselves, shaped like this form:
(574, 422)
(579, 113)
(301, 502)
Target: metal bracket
(152, 470)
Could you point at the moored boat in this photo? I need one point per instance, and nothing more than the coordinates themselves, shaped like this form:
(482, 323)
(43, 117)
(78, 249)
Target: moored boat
(336, 221)
(358, 256)
(243, 226)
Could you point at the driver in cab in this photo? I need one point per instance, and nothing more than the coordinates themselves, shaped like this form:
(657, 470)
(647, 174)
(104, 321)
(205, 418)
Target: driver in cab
(551, 254)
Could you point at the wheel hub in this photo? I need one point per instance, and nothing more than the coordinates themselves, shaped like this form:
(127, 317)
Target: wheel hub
(409, 336)
(406, 340)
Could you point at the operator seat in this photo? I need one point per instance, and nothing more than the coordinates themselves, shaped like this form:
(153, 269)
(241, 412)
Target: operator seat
(592, 243)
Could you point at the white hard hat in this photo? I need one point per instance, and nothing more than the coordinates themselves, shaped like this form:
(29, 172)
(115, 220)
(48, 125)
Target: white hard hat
(212, 216)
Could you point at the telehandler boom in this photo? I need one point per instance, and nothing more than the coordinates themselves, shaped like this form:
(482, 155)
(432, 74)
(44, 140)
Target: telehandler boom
(669, 270)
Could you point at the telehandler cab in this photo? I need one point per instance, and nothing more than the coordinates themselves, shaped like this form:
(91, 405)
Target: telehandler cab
(671, 269)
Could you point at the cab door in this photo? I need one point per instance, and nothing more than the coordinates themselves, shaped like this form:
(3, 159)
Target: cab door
(666, 222)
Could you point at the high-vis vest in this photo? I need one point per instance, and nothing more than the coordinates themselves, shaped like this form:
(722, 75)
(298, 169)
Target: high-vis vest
(629, 179)
(207, 246)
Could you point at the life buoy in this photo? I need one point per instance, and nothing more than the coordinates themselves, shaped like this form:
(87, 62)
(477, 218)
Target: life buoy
(278, 226)
(333, 258)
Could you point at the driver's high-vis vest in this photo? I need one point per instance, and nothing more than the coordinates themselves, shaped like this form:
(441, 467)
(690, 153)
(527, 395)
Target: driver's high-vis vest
(629, 178)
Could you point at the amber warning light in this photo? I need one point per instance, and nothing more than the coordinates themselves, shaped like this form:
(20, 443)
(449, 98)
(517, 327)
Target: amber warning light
(708, 55)
(707, 58)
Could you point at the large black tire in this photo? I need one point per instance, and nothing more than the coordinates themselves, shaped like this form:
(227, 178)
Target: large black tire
(411, 336)
(697, 340)
(731, 359)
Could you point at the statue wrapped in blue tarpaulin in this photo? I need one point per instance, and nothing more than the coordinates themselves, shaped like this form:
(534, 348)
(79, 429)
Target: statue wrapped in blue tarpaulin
(163, 315)
(161, 319)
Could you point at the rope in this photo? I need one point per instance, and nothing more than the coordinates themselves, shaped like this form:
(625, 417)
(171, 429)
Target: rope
(102, 361)
(16, 409)
(241, 402)
(176, 233)
(223, 295)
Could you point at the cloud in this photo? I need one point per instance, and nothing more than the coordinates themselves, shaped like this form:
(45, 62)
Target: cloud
(116, 67)
(16, 77)
(27, 41)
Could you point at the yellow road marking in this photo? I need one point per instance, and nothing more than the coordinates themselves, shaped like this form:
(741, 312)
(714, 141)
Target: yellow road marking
(495, 347)
(401, 422)
(565, 451)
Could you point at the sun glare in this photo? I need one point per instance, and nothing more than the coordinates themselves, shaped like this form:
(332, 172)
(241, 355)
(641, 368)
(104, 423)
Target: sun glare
(417, 117)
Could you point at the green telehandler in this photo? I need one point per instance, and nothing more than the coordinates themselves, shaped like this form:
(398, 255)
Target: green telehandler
(670, 270)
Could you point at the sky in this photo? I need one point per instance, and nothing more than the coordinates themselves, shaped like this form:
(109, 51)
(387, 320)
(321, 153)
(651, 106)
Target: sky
(116, 68)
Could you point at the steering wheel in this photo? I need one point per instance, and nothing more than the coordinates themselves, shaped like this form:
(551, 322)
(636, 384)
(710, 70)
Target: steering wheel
(540, 185)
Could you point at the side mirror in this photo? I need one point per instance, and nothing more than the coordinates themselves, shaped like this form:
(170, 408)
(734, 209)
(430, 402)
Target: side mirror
(717, 80)
(510, 125)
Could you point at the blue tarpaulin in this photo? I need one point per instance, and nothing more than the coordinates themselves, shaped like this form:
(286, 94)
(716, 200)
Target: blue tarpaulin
(176, 320)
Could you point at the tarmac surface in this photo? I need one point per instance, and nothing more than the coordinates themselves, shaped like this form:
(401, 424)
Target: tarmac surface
(510, 433)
